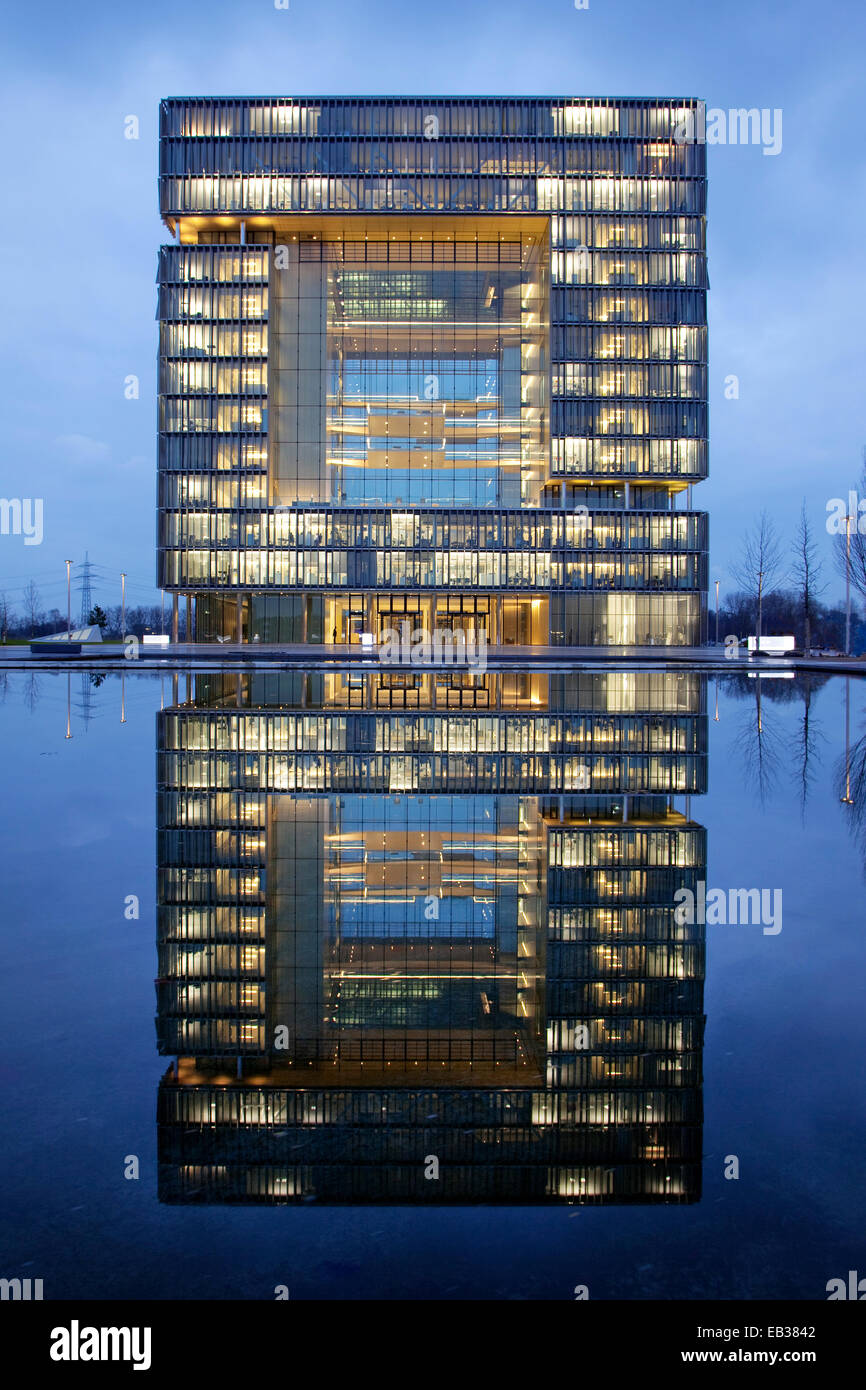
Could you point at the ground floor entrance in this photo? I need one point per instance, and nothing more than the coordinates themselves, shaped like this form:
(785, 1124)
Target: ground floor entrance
(507, 620)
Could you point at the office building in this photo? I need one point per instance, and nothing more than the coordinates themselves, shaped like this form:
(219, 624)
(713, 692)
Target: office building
(433, 360)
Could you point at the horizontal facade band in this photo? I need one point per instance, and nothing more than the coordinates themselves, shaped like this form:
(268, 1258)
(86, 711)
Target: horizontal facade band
(252, 194)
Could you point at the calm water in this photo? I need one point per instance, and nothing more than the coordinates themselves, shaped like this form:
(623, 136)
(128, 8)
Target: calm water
(431, 890)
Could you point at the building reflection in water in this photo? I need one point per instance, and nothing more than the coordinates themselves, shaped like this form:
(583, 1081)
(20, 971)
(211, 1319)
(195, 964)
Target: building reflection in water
(424, 922)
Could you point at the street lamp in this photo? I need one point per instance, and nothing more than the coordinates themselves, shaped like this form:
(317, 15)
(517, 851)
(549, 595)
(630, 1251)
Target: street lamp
(69, 600)
(847, 799)
(848, 520)
(717, 612)
(122, 606)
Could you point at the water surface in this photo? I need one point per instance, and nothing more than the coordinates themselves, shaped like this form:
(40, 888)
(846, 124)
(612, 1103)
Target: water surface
(431, 886)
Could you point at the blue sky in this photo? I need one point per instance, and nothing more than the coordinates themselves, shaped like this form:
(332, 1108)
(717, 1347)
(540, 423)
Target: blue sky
(81, 232)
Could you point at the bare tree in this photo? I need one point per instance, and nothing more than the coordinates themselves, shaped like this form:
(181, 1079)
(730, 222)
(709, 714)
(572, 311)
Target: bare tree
(806, 573)
(811, 736)
(760, 563)
(4, 617)
(856, 541)
(31, 691)
(32, 605)
(850, 780)
(761, 746)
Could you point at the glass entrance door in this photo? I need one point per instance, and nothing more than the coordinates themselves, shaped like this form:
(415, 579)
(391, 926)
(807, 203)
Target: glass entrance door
(464, 614)
(524, 622)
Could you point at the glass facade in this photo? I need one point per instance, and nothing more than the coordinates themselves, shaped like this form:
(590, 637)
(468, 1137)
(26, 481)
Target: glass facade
(442, 345)
(389, 935)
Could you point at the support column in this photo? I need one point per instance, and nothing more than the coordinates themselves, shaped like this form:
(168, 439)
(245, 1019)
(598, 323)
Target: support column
(305, 618)
(174, 619)
(188, 619)
(239, 623)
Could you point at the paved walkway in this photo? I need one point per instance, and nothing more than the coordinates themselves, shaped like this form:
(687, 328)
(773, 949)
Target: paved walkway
(217, 655)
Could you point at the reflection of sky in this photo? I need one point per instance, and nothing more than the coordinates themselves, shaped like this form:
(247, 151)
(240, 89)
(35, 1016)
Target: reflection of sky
(459, 470)
(785, 231)
(456, 378)
(783, 1080)
(433, 485)
(458, 918)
